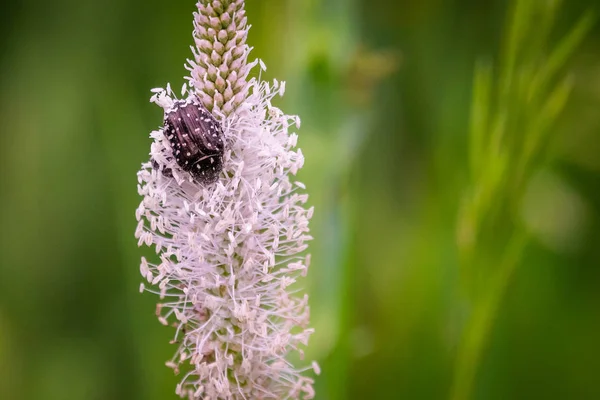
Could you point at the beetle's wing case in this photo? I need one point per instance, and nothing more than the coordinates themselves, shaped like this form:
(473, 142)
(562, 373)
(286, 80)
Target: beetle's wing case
(196, 139)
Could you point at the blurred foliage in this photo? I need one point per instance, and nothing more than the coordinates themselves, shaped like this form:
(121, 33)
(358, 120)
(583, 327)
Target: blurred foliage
(408, 109)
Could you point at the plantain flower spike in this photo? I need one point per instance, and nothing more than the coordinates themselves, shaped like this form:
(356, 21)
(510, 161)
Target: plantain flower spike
(228, 222)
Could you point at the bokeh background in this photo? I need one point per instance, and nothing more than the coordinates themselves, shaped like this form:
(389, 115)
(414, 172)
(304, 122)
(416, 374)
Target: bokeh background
(384, 89)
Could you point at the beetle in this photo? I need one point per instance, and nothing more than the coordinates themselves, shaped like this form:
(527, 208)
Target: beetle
(196, 140)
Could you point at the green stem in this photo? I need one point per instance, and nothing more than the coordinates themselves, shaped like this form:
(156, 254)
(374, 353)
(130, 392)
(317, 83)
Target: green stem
(479, 326)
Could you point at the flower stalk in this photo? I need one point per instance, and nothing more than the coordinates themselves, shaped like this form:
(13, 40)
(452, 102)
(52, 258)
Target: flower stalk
(229, 251)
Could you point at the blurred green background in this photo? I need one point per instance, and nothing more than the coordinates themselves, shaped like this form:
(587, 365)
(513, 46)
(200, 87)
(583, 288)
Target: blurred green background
(384, 90)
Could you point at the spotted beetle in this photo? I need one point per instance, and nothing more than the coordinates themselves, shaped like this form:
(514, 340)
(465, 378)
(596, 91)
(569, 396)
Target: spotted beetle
(196, 139)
